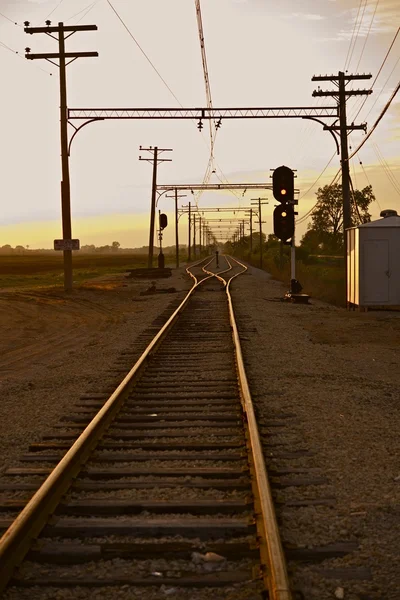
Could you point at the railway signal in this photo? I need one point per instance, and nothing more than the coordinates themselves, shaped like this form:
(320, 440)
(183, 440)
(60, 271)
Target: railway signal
(284, 222)
(163, 220)
(283, 184)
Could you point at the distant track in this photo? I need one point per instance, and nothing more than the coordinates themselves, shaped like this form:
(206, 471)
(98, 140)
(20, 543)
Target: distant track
(173, 451)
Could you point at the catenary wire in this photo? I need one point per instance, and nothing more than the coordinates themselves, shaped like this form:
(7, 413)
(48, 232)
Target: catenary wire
(148, 59)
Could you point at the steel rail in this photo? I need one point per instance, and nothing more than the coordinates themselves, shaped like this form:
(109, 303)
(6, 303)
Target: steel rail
(279, 588)
(16, 541)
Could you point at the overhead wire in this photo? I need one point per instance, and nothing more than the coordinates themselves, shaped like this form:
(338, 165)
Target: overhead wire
(368, 181)
(3, 45)
(376, 122)
(143, 52)
(88, 8)
(377, 75)
(386, 168)
(148, 59)
(366, 37)
(11, 21)
(352, 35)
(54, 9)
(358, 31)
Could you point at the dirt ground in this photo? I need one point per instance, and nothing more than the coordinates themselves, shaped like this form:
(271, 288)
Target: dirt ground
(55, 346)
(337, 370)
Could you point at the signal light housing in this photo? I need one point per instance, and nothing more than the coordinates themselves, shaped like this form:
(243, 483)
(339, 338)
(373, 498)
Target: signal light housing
(163, 221)
(283, 184)
(284, 222)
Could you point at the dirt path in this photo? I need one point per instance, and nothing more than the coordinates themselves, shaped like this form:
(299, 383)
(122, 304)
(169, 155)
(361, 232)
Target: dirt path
(54, 346)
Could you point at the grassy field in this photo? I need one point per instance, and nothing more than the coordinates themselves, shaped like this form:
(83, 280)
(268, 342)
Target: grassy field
(324, 281)
(43, 270)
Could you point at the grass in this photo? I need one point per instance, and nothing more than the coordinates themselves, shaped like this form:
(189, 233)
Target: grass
(323, 280)
(46, 270)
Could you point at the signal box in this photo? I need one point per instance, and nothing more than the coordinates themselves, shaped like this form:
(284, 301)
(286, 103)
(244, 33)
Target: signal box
(283, 184)
(284, 222)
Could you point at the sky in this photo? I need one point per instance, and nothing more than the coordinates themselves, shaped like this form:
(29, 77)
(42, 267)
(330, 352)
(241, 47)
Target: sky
(259, 53)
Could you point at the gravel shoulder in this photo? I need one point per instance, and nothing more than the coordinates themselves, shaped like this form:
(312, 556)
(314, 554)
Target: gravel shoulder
(55, 346)
(337, 373)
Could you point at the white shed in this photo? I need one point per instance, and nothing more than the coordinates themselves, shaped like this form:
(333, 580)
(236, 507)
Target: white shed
(373, 262)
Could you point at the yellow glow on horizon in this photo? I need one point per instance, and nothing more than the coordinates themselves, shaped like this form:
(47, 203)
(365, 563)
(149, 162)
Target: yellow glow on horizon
(132, 231)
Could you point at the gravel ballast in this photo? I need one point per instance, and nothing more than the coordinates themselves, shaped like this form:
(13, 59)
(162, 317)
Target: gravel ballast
(337, 374)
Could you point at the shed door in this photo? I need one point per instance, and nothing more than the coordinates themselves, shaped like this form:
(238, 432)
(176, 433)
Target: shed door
(376, 270)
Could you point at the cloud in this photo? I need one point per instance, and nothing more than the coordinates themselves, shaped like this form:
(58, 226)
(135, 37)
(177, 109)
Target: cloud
(304, 16)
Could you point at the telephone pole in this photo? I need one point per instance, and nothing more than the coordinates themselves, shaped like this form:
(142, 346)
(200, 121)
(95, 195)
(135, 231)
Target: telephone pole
(155, 160)
(260, 222)
(190, 233)
(341, 94)
(61, 55)
(176, 196)
(194, 236)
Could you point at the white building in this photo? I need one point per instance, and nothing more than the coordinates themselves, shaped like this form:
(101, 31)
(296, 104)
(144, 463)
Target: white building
(373, 262)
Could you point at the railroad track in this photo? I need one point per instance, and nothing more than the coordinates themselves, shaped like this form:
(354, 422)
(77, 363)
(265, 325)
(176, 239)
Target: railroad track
(159, 489)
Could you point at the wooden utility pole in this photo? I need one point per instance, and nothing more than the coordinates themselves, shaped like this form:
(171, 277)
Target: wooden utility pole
(200, 244)
(194, 236)
(155, 160)
(251, 231)
(260, 222)
(62, 55)
(176, 196)
(190, 233)
(341, 94)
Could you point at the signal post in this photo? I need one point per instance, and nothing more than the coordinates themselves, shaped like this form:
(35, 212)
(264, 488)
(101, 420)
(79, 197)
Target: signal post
(284, 225)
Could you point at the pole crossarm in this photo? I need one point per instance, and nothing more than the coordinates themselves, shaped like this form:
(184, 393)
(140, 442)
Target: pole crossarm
(211, 209)
(215, 186)
(203, 113)
(49, 55)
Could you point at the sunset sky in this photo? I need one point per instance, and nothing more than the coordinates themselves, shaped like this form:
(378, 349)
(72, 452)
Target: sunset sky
(260, 53)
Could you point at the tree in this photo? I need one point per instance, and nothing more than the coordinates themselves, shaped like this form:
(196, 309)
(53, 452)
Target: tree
(325, 231)
(115, 246)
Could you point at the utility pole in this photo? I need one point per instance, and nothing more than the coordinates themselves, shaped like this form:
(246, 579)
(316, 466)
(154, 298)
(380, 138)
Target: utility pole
(341, 94)
(251, 231)
(155, 160)
(190, 233)
(200, 234)
(61, 55)
(176, 196)
(260, 221)
(194, 236)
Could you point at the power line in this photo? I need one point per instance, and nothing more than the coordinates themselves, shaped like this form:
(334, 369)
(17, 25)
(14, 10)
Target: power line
(352, 35)
(366, 37)
(144, 53)
(376, 122)
(3, 45)
(368, 181)
(383, 87)
(88, 8)
(304, 217)
(377, 75)
(358, 31)
(11, 21)
(54, 9)
(386, 169)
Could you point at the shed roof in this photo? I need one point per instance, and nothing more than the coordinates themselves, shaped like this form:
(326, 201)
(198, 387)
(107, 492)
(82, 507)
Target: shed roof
(385, 222)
